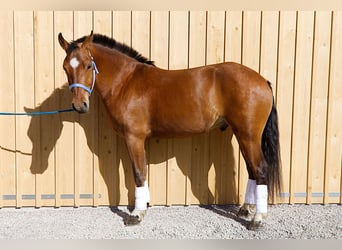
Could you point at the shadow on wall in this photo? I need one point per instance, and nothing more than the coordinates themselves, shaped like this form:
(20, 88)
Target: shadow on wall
(44, 132)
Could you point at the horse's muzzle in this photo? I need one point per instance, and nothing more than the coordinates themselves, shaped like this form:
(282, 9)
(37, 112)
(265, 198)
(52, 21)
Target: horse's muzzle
(81, 108)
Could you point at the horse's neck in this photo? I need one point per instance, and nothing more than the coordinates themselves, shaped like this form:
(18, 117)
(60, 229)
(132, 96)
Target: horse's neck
(114, 70)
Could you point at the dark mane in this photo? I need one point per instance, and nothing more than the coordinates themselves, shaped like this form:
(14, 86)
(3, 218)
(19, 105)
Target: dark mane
(113, 44)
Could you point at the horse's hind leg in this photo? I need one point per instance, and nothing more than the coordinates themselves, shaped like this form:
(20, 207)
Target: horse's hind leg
(255, 205)
(136, 149)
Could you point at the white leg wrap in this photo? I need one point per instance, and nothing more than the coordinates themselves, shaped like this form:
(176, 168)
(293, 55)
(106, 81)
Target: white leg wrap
(261, 196)
(250, 192)
(140, 198)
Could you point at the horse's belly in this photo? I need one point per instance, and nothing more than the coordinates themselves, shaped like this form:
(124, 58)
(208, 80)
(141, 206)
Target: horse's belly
(182, 125)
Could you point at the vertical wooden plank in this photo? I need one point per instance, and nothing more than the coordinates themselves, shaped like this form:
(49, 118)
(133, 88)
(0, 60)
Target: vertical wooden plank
(65, 160)
(105, 167)
(234, 36)
(158, 148)
(251, 39)
(179, 149)
(233, 49)
(332, 177)
(301, 106)
(24, 94)
(85, 130)
(285, 78)
(197, 191)
(178, 40)
(7, 124)
(250, 58)
(197, 38)
(122, 22)
(215, 36)
(319, 102)
(269, 47)
(219, 151)
(141, 32)
(103, 22)
(122, 33)
(44, 87)
(160, 38)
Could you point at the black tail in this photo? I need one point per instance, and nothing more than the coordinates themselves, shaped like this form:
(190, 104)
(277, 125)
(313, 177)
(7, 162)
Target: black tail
(271, 151)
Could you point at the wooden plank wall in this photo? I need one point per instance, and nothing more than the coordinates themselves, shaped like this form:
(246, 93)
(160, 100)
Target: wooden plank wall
(78, 160)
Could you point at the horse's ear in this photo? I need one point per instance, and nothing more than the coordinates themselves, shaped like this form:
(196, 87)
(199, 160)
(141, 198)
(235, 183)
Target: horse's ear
(87, 42)
(64, 44)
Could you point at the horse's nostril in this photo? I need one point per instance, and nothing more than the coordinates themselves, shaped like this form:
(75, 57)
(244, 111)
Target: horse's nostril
(85, 105)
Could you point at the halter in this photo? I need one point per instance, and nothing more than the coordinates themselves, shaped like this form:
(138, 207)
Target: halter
(82, 86)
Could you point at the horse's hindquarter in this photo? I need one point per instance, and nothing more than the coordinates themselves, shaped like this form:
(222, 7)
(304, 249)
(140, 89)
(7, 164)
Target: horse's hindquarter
(247, 97)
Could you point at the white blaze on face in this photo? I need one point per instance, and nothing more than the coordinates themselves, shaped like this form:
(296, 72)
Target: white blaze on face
(74, 62)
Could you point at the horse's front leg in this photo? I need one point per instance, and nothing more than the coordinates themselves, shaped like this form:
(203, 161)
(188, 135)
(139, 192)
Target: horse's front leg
(136, 149)
(247, 211)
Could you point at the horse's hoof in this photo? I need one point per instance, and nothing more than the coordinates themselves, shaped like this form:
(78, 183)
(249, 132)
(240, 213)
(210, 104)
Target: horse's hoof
(246, 212)
(135, 218)
(256, 225)
(258, 222)
(132, 220)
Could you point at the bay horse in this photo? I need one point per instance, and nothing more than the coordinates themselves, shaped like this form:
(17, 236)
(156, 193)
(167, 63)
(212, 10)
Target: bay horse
(145, 101)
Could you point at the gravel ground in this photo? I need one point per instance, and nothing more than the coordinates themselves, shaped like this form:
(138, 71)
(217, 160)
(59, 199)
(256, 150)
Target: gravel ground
(176, 222)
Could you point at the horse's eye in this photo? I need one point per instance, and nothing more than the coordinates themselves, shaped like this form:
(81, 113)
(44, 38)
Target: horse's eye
(89, 66)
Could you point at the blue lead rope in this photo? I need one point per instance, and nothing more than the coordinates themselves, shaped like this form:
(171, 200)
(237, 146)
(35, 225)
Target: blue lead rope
(54, 112)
